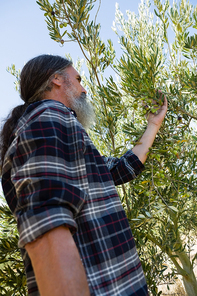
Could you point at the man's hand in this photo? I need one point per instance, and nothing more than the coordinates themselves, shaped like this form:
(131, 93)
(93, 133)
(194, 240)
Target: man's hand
(160, 111)
(154, 123)
(57, 265)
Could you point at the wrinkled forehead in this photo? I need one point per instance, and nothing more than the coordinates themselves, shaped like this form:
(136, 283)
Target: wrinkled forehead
(73, 74)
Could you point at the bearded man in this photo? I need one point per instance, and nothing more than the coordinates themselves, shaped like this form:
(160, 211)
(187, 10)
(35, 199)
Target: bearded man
(74, 236)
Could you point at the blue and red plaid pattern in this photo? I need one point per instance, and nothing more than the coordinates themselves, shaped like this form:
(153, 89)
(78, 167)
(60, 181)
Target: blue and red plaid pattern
(53, 175)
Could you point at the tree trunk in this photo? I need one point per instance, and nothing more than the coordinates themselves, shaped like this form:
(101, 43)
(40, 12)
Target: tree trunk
(189, 279)
(190, 284)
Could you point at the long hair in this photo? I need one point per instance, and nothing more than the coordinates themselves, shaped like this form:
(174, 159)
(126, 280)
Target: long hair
(35, 79)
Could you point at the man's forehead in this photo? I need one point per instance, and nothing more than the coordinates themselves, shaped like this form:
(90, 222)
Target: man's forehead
(72, 72)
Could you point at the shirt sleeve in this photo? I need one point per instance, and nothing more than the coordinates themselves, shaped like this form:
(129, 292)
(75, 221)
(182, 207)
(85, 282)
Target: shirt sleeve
(47, 165)
(125, 168)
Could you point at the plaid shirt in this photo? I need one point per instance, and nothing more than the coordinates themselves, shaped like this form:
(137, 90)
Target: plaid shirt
(54, 175)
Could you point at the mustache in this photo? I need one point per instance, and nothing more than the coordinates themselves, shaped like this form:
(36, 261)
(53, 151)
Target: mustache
(83, 96)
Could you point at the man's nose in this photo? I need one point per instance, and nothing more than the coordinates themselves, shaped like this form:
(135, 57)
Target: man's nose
(84, 90)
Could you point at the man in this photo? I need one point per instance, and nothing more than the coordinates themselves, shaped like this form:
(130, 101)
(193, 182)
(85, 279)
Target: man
(74, 235)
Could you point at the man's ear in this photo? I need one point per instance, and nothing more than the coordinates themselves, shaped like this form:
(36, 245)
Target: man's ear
(57, 80)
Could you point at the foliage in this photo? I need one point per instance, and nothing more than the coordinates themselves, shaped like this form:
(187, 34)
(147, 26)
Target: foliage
(162, 209)
(161, 203)
(12, 275)
(16, 73)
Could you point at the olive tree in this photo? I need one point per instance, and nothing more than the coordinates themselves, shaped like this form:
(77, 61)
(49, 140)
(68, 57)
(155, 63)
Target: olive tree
(161, 203)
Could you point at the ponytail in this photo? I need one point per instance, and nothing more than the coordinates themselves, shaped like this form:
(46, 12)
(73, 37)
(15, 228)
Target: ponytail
(8, 127)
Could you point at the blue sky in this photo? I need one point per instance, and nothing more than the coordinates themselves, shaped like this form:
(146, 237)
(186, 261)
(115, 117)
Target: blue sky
(24, 35)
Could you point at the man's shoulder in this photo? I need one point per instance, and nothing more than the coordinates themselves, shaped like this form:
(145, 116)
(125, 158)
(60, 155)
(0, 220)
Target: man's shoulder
(46, 105)
(45, 111)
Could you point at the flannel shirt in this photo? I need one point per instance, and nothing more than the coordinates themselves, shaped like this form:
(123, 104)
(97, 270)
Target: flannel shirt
(53, 175)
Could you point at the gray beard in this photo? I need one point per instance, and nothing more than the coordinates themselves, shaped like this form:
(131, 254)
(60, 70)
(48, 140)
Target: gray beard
(83, 109)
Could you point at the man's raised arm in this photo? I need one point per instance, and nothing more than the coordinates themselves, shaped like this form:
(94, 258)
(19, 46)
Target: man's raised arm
(154, 123)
